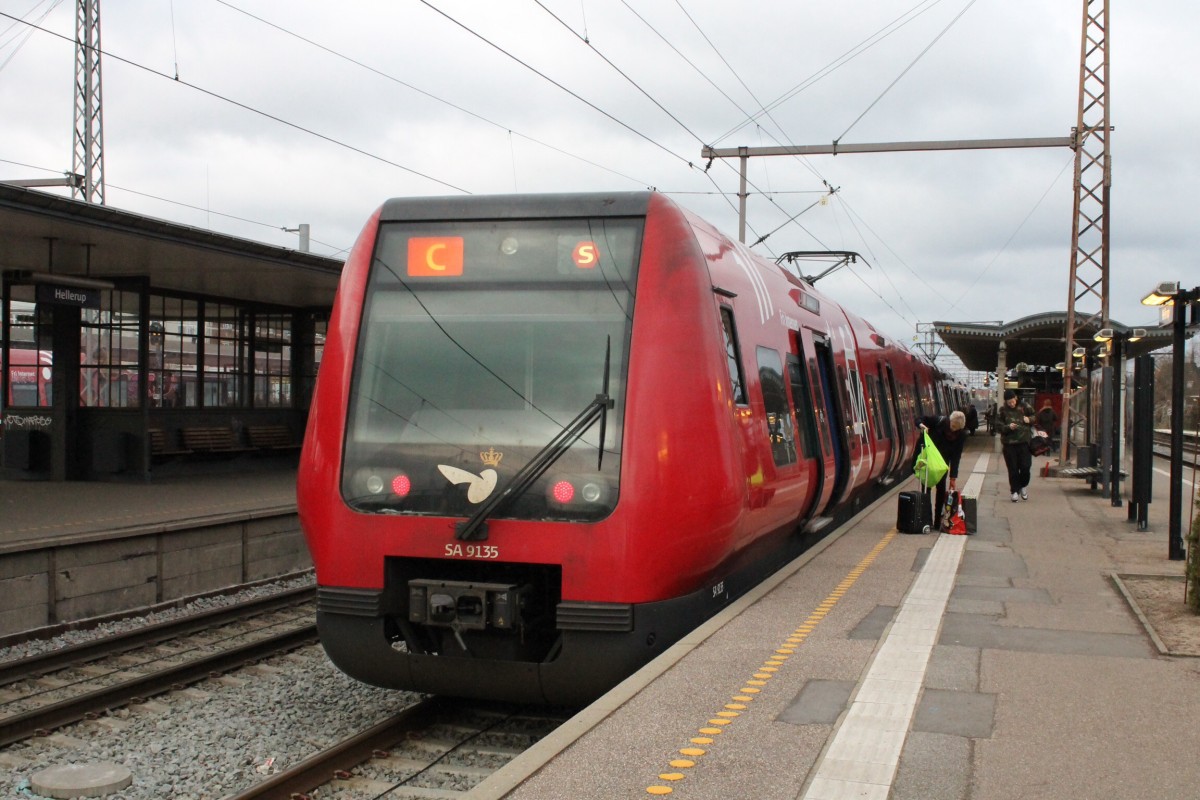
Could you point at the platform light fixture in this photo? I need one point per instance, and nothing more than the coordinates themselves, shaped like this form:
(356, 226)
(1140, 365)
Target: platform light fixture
(1079, 352)
(1163, 294)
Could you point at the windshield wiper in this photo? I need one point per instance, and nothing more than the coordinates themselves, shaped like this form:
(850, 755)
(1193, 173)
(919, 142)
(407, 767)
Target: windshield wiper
(475, 528)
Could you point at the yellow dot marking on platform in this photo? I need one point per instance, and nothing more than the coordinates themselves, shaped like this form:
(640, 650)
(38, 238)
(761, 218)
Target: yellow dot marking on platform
(772, 665)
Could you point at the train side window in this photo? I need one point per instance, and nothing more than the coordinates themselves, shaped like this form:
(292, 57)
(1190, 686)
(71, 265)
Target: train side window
(779, 417)
(733, 358)
(802, 400)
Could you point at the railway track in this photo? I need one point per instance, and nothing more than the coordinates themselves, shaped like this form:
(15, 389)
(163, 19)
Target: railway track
(1191, 447)
(43, 692)
(439, 748)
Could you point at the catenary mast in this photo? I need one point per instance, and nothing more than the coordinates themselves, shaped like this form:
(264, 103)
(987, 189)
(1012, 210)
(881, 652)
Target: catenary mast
(87, 160)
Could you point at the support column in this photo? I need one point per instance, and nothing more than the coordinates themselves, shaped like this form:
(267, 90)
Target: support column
(64, 433)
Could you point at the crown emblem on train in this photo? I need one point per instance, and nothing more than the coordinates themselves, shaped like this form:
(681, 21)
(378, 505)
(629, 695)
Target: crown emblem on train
(490, 457)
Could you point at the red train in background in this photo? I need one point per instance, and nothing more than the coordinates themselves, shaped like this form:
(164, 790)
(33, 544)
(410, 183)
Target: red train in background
(553, 433)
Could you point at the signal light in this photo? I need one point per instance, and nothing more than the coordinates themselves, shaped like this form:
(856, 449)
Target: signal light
(564, 492)
(401, 485)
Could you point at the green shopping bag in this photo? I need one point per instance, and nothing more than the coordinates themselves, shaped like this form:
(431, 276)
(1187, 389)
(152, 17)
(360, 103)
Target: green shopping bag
(930, 466)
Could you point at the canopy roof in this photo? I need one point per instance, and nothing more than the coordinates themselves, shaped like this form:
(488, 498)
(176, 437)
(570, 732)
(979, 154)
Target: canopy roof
(1037, 340)
(45, 233)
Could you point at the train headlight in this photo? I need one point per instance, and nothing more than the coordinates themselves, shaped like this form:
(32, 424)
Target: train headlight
(374, 484)
(592, 492)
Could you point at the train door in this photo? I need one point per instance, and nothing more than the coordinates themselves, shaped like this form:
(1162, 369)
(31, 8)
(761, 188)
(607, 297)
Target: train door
(807, 437)
(886, 403)
(822, 424)
(829, 399)
(903, 422)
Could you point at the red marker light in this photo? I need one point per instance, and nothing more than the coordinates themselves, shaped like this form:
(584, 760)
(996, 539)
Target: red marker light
(401, 485)
(586, 255)
(564, 492)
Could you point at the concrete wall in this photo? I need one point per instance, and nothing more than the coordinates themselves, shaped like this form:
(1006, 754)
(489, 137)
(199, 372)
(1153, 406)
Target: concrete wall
(77, 581)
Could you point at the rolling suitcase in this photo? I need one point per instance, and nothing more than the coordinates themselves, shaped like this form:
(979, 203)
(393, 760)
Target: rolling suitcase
(913, 515)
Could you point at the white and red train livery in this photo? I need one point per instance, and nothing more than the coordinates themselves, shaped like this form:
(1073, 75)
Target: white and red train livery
(553, 433)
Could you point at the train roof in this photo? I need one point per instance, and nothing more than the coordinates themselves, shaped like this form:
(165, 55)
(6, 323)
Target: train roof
(517, 206)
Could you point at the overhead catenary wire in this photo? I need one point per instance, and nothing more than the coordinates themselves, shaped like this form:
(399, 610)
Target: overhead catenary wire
(250, 108)
(905, 71)
(547, 78)
(437, 98)
(887, 30)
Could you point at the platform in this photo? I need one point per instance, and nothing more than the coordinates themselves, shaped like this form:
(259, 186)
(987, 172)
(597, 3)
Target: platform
(1006, 664)
(33, 513)
(80, 552)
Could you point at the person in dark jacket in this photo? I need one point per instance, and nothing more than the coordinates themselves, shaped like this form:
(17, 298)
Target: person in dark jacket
(1015, 422)
(948, 437)
(972, 418)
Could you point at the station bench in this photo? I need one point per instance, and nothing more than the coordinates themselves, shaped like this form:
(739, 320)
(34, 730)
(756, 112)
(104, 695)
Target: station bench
(212, 440)
(272, 438)
(163, 444)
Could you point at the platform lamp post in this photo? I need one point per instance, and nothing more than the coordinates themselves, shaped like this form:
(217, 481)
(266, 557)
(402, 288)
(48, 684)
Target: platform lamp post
(1170, 294)
(1115, 340)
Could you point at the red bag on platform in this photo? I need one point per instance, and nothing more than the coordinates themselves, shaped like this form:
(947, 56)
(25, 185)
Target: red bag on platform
(954, 521)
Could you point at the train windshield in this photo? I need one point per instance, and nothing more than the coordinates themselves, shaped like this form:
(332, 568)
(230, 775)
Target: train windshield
(480, 342)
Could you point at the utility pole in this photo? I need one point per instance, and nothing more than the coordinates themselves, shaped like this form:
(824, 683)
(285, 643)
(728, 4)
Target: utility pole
(88, 154)
(1087, 299)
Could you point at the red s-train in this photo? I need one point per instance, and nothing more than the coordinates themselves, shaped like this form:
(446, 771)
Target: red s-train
(552, 434)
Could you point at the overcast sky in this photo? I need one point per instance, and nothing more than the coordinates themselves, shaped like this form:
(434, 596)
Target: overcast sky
(247, 117)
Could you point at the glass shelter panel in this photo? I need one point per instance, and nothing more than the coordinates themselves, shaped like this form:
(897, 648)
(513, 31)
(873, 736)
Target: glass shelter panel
(273, 361)
(108, 351)
(224, 355)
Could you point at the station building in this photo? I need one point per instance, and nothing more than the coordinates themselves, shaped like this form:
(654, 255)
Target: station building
(128, 343)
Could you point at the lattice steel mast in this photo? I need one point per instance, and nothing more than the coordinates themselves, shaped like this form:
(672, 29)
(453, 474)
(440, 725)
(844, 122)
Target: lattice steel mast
(1087, 300)
(88, 156)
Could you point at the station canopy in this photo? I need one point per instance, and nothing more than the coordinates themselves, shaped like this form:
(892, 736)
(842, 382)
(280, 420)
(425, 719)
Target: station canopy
(1037, 340)
(42, 233)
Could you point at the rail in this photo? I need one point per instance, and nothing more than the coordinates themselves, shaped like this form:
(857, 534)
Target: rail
(87, 698)
(454, 743)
